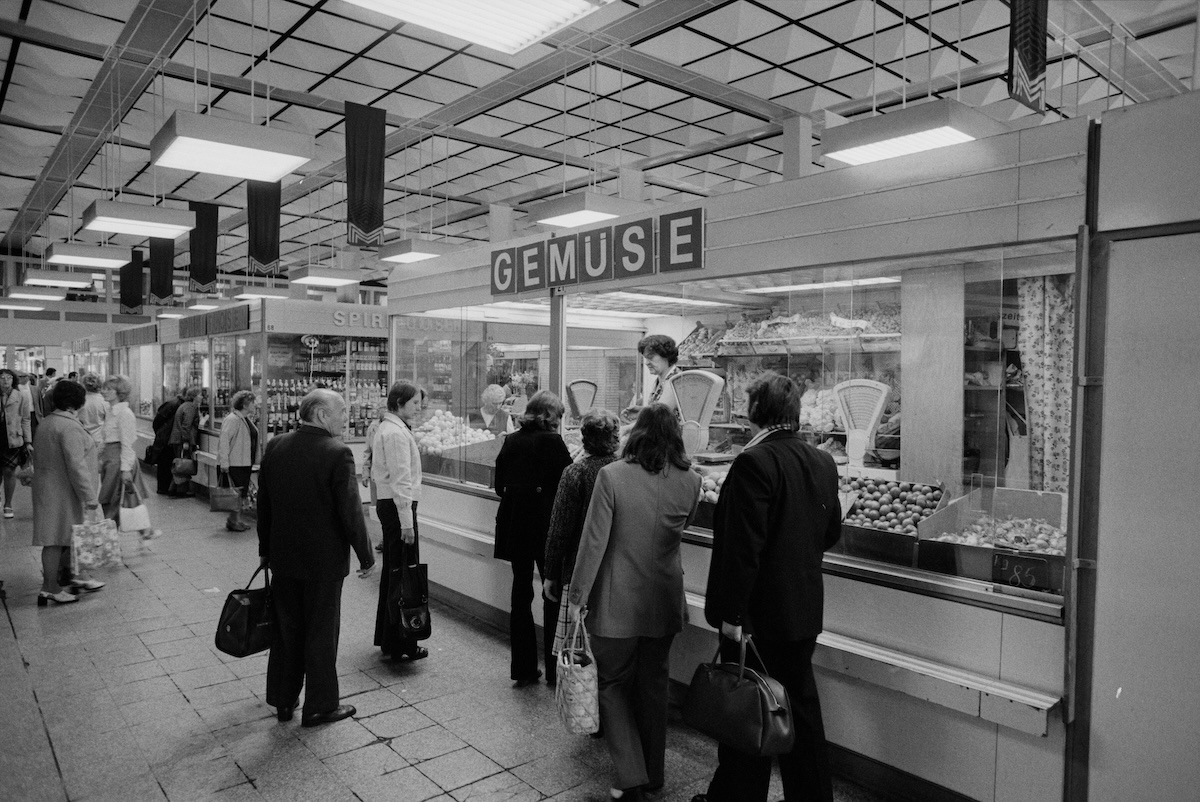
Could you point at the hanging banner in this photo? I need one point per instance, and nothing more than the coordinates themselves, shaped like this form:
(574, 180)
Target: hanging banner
(162, 270)
(262, 221)
(131, 285)
(202, 244)
(365, 130)
(1027, 53)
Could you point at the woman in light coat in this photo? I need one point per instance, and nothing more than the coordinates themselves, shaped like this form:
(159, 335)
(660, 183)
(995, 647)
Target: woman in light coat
(629, 574)
(64, 484)
(237, 451)
(94, 408)
(396, 472)
(119, 471)
(16, 434)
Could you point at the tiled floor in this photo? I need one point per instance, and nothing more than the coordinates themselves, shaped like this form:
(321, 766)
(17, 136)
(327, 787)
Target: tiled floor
(122, 696)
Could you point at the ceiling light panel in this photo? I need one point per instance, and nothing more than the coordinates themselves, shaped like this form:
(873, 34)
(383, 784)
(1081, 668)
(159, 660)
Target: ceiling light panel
(83, 255)
(207, 144)
(508, 27)
(115, 217)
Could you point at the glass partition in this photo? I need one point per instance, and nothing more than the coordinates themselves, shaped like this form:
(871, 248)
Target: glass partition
(296, 363)
(187, 364)
(141, 364)
(236, 366)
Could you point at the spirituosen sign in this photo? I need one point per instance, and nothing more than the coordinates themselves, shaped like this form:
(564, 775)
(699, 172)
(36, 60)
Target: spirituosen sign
(626, 250)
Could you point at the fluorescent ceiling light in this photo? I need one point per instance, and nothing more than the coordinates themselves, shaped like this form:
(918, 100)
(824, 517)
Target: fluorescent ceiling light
(319, 276)
(56, 278)
(83, 255)
(920, 127)
(509, 26)
(171, 315)
(658, 299)
(826, 285)
(407, 251)
(583, 208)
(47, 295)
(260, 293)
(203, 306)
(134, 218)
(21, 307)
(207, 144)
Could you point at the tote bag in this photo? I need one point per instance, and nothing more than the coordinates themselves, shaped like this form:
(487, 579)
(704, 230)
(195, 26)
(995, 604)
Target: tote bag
(247, 623)
(408, 594)
(577, 693)
(224, 497)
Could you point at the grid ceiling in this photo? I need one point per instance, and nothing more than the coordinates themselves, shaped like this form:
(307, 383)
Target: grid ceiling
(692, 93)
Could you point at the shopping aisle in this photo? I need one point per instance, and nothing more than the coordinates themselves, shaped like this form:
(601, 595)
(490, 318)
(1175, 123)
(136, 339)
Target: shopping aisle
(122, 696)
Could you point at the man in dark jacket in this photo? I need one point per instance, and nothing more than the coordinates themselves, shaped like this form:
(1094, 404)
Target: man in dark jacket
(164, 420)
(777, 515)
(309, 517)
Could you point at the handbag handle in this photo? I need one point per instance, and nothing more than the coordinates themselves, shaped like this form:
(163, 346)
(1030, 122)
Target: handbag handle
(129, 487)
(579, 633)
(265, 571)
(747, 640)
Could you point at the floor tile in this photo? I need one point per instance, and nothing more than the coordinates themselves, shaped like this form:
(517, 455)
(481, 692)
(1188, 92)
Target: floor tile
(456, 769)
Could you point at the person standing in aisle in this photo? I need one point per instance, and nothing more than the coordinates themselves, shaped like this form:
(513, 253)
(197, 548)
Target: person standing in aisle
(94, 408)
(629, 575)
(163, 425)
(119, 469)
(16, 435)
(41, 395)
(237, 451)
(185, 433)
(308, 521)
(380, 410)
(528, 468)
(396, 474)
(777, 515)
(64, 486)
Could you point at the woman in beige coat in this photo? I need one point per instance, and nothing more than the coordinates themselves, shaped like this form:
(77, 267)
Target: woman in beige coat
(64, 484)
(629, 574)
(237, 451)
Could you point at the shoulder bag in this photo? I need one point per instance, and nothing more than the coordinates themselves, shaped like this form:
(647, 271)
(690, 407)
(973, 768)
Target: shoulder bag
(739, 707)
(247, 622)
(408, 594)
(133, 515)
(224, 497)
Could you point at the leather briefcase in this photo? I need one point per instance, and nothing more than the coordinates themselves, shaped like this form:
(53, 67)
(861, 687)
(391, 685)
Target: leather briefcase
(740, 707)
(247, 623)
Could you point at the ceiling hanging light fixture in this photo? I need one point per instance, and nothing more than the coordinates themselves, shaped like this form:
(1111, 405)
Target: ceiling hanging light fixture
(509, 27)
(41, 295)
(259, 293)
(415, 249)
(320, 276)
(115, 217)
(84, 255)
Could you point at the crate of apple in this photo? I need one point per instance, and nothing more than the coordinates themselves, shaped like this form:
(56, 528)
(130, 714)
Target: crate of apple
(890, 506)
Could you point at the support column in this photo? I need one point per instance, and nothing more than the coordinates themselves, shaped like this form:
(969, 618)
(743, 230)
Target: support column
(797, 147)
(558, 341)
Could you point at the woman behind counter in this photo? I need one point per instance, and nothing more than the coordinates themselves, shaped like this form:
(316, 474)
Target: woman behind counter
(528, 468)
(629, 574)
(659, 355)
(64, 484)
(396, 473)
(490, 415)
(237, 451)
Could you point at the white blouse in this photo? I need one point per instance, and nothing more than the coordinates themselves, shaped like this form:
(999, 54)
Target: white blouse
(120, 426)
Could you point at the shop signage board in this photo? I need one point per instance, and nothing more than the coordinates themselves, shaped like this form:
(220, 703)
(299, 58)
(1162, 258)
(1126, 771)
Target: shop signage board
(223, 321)
(631, 249)
(314, 317)
(141, 335)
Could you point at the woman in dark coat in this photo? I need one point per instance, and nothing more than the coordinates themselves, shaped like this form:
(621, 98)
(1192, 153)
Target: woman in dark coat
(528, 468)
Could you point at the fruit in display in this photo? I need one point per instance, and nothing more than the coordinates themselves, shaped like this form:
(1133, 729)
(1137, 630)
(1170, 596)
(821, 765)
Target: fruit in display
(442, 431)
(1023, 534)
(890, 506)
(710, 486)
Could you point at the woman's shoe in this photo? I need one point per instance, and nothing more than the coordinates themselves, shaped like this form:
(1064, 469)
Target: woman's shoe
(86, 585)
(236, 527)
(62, 597)
(150, 534)
(525, 682)
(420, 653)
(8, 512)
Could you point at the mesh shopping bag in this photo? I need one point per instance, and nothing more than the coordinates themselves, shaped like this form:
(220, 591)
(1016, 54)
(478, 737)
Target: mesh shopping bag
(577, 693)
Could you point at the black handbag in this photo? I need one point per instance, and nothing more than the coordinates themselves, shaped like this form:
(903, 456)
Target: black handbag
(247, 624)
(408, 594)
(152, 454)
(740, 707)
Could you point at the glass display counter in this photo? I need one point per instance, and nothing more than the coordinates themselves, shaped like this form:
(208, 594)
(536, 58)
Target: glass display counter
(353, 366)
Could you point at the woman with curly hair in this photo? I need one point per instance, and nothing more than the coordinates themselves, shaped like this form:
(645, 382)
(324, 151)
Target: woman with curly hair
(528, 468)
(119, 471)
(237, 451)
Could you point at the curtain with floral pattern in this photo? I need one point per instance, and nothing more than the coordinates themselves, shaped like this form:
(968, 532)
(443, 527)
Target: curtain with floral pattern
(1046, 340)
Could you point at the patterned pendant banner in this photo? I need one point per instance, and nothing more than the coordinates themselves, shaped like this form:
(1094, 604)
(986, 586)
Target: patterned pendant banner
(131, 285)
(365, 129)
(262, 220)
(202, 244)
(1027, 53)
(162, 270)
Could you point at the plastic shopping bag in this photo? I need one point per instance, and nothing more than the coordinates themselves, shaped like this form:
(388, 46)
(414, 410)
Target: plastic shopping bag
(96, 544)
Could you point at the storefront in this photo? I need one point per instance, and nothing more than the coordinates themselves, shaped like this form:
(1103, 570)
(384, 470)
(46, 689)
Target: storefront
(945, 286)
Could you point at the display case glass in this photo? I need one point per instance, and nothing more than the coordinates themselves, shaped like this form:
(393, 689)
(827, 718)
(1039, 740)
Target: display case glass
(236, 365)
(141, 364)
(941, 386)
(186, 364)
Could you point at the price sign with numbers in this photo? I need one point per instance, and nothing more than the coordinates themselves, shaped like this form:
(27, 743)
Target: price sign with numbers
(1021, 570)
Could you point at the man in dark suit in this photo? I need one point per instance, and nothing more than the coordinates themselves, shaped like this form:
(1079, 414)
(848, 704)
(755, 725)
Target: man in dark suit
(777, 515)
(309, 517)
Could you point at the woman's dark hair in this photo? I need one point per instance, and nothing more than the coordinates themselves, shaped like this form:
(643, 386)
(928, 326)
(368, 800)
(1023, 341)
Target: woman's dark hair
(600, 430)
(773, 400)
(8, 372)
(656, 440)
(241, 398)
(543, 411)
(68, 394)
(659, 344)
(401, 393)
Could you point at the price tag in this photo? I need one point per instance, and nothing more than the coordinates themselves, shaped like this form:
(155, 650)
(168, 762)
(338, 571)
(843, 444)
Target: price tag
(1020, 570)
